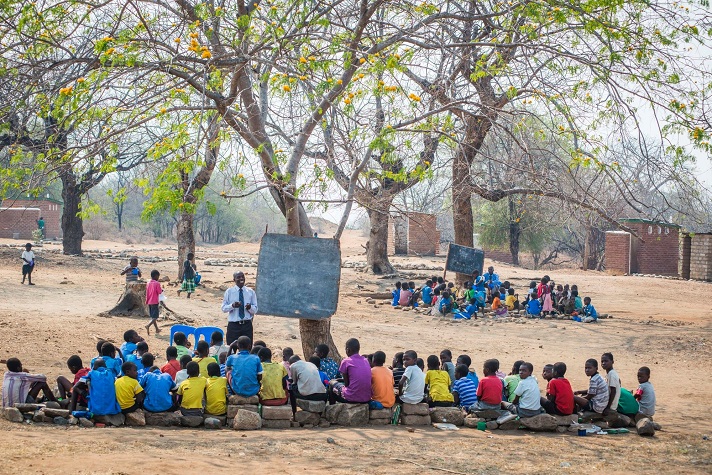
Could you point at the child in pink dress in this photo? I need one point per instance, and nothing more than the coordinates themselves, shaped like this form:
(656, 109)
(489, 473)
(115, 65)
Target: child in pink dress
(547, 305)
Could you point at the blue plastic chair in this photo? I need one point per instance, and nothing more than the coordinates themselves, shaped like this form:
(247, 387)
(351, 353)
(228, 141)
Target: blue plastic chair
(187, 329)
(206, 333)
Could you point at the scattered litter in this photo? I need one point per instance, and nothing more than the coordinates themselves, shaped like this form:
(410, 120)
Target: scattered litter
(445, 426)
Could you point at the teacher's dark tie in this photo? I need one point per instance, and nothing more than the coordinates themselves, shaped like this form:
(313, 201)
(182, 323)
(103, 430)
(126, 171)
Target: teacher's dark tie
(241, 312)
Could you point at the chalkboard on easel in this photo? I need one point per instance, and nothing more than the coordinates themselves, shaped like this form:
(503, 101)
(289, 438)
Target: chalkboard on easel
(464, 260)
(298, 277)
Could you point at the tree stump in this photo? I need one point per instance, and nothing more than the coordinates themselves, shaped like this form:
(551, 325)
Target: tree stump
(132, 303)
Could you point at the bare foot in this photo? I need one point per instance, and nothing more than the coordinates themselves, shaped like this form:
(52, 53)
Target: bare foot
(148, 329)
(158, 331)
(31, 283)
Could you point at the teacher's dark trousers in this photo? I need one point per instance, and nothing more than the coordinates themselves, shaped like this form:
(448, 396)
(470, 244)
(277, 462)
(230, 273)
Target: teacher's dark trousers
(237, 329)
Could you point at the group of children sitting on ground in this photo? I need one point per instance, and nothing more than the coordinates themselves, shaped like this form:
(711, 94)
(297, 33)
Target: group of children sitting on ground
(486, 292)
(198, 383)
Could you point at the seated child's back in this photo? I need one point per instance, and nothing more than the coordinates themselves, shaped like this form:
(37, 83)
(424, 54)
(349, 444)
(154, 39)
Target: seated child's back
(438, 381)
(215, 391)
(244, 370)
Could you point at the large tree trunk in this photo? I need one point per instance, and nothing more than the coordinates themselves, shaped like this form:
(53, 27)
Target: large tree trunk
(72, 224)
(377, 245)
(462, 203)
(515, 231)
(186, 239)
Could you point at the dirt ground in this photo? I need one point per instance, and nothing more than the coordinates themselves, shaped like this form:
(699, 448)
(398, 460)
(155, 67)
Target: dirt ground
(664, 324)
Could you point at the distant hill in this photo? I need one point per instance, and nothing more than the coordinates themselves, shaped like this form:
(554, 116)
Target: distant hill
(323, 226)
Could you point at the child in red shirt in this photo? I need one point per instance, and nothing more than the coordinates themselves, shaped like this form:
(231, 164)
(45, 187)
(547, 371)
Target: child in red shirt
(489, 390)
(75, 365)
(559, 394)
(173, 365)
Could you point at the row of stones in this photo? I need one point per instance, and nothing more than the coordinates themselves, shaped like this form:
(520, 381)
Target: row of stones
(246, 416)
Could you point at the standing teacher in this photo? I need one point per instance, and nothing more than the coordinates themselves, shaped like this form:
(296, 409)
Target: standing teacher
(240, 303)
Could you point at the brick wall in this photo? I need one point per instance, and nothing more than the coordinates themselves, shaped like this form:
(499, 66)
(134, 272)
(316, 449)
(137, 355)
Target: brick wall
(617, 258)
(423, 235)
(51, 211)
(701, 257)
(683, 263)
(659, 253)
(20, 221)
(501, 256)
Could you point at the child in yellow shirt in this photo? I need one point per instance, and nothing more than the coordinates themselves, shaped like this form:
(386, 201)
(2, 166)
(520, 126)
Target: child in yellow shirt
(273, 390)
(203, 359)
(191, 392)
(438, 383)
(215, 391)
(511, 300)
(129, 393)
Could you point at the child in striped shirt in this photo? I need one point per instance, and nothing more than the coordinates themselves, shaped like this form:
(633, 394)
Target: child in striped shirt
(464, 390)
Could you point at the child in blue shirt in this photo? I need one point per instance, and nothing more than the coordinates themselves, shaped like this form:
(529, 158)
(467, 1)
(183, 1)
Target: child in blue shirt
(157, 386)
(101, 388)
(589, 312)
(427, 292)
(131, 341)
(468, 312)
(445, 303)
(534, 308)
(111, 362)
(243, 370)
(396, 294)
(324, 378)
(471, 374)
(147, 360)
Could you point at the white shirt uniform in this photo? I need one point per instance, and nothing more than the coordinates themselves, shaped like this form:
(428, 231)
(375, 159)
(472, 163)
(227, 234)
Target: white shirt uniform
(232, 295)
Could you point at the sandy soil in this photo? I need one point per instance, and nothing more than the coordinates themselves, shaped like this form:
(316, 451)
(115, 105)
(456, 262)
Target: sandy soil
(664, 324)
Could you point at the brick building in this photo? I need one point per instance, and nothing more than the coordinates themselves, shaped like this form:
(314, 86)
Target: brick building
(696, 256)
(413, 234)
(18, 217)
(657, 252)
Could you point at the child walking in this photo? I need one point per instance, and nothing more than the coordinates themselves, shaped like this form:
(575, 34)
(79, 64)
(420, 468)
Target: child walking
(153, 292)
(28, 263)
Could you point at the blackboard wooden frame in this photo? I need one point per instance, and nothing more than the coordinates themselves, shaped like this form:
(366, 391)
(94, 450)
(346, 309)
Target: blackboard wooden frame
(298, 277)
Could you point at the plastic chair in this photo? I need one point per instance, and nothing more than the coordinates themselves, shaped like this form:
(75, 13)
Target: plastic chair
(187, 329)
(206, 333)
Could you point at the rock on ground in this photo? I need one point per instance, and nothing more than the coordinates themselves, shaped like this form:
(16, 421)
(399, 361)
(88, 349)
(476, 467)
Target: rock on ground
(488, 414)
(307, 418)
(471, 421)
(509, 425)
(311, 406)
(566, 420)
(212, 423)
(235, 399)
(415, 420)
(645, 427)
(49, 412)
(136, 418)
(162, 419)
(451, 415)
(86, 423)
(279, 413)
(61, 421)
(13, 414)
(349, 415)
(191, 421)
(246, 420)
(233, 408)
(26, 407)
(115, 420)
(542, 422)
(385, 414)
(421, 409)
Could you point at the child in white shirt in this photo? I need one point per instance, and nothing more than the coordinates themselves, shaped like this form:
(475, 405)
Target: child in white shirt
(28, 263)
